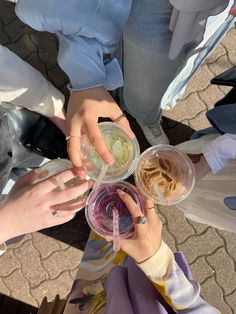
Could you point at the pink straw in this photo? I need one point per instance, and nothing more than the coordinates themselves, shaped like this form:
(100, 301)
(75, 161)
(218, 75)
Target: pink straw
(116, 231)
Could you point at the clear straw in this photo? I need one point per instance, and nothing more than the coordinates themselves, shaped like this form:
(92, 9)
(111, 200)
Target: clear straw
(116, 231)
(100, 176)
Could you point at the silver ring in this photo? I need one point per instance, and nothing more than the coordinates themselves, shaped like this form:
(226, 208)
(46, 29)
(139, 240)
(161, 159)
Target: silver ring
(55, 212)
(140, 220)
(120, 118)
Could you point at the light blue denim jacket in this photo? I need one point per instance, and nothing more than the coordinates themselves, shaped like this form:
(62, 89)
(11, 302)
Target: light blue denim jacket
(86, 31)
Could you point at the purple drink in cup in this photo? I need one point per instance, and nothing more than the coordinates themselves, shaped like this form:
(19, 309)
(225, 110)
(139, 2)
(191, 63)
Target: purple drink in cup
(101, 204)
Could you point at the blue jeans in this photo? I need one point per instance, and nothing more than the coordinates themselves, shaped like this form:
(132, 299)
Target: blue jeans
(151, 80)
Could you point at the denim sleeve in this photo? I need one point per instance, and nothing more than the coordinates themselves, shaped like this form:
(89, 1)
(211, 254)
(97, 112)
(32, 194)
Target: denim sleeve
(86, 30)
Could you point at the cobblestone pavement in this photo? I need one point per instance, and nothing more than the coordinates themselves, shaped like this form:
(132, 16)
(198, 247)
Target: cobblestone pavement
(44, 264)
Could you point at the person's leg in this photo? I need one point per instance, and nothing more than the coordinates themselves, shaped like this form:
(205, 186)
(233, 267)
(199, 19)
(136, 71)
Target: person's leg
(147, 69)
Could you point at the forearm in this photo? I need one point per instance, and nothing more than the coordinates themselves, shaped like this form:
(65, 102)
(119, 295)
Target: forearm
(169, 280)
(22, 85)
(219, 151)
(7, 230)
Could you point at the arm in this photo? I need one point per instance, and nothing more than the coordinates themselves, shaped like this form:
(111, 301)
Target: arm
(22, 85)
(219, 151)
(30, 206)
(156, 260)
(86, 31)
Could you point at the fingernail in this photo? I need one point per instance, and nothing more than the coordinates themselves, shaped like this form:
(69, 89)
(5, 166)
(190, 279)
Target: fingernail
(109, 161)
(120, 192)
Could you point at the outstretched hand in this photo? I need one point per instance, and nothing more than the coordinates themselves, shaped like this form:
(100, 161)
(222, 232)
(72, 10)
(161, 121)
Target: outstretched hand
(147, 237)
(84, 109)
(29, 207)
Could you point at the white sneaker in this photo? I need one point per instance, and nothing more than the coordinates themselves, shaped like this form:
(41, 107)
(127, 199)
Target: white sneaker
(155, 134)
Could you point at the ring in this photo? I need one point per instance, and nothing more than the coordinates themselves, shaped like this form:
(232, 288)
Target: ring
(55, 212)
(140, 220)
(71, 136)
(150, 208)
(120, 117)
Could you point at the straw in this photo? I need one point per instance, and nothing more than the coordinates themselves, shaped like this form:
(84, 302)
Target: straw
(60, 183)
(100, 176)
(116, 231)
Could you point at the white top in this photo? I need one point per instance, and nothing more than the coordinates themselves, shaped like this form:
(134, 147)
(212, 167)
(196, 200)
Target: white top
(219, 151)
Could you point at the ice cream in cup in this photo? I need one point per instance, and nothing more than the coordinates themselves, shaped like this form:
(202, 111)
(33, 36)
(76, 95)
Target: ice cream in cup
(124, 148)
(165, 174)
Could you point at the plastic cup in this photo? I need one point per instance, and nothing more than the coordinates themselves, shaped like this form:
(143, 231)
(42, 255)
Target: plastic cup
(124, 148)
(101, 204)
(56, 166)
(165, 174)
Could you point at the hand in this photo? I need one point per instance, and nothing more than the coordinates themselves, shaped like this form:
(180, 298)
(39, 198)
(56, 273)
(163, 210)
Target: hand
(84, 109)
(147, 239)
(29, 207)
(200, 164)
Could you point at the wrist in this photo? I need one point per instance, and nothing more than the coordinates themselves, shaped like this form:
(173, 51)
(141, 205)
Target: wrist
(8, 226)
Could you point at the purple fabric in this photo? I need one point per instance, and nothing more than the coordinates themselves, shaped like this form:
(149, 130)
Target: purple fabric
(118, 300)
(129, 291)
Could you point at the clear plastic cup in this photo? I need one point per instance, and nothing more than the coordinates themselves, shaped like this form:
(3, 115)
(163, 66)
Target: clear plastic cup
(125, 150)
(165, 174)
(54, 167)
(101, 203)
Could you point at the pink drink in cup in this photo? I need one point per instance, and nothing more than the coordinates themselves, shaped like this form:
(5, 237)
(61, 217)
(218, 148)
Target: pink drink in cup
(100, 207)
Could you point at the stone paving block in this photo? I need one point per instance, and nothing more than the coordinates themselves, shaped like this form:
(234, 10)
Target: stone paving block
(31, 266)
(212, 293)
(229, 44)
(8, 263)
(58, 77)
(199, 228)
(199, 81)
(47, 48)
(44, 245)
(230, 239)
(204, 244)
(231, 300)
(58, 261)
(187, 108)
(220, 51)
(225, 89)
(23, 47)
(225, 274)
(22, 29)
(168, 238)
(199, 122)
(35, 61)
(61, 286)
(201, 270)
(3, 288)
(7, 12)
(177, 224)
(211, 95)
(19, 287)
(220, 65)
(4, 38)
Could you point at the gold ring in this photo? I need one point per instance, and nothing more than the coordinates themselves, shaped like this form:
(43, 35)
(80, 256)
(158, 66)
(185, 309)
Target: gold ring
(120, 118)
(150, 208)
(71, 136)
